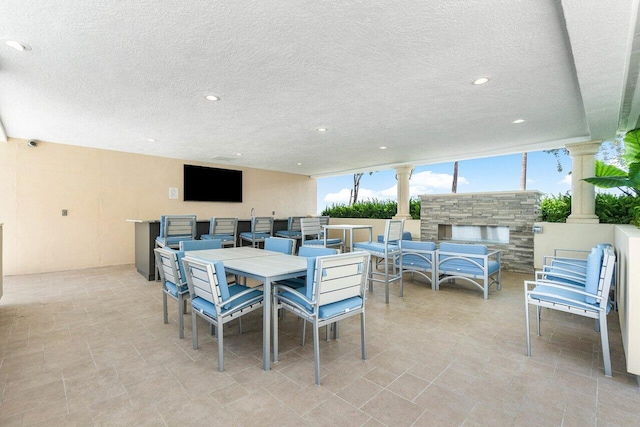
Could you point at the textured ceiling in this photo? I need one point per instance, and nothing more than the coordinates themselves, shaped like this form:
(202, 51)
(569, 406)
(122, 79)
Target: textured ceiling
(375, 73)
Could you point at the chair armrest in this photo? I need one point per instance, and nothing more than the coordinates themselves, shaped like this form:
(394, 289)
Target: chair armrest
(558, 285)
(241, 294)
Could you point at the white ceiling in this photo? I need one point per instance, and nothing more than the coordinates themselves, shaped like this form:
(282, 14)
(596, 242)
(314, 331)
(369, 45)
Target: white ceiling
(375, 73)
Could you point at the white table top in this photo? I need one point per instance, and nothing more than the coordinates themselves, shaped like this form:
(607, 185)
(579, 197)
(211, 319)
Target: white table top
(268, 266)
(227, 254)
(347, 226)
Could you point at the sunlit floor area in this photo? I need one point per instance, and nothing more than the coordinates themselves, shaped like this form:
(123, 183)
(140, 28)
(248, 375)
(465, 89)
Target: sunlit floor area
(89, 347)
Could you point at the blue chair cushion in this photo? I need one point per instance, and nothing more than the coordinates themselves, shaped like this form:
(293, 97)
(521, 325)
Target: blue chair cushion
(415, 261)
(335, 308)
(462, 266)
(284, 246)
(374, 247)
(295, 298)
(405, 236)
(564, 272)
(223, 237)
(561, 296)
(289, 233)
(249, 235)
(198, 245)
(321, 242)
(594, 265)
(175, 290)
(209, 309)
(310, 251)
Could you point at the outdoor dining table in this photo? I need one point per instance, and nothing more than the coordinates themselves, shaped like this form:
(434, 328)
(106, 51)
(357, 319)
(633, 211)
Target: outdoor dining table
(344, 228)
(261, 265)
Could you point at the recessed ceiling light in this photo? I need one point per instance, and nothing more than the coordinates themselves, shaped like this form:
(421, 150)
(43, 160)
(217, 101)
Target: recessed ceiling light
(151, 140)
(212, 98)
(383, 148)
(299, 164)
(322, 129)
(481, 81)
(17, 45)
(518, 121)
(238, 154)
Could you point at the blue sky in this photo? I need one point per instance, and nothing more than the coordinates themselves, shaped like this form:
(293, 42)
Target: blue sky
(489, 174)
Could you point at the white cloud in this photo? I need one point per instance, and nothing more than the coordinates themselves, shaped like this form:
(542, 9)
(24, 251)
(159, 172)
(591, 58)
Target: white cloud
(421, 183)
(566, 180)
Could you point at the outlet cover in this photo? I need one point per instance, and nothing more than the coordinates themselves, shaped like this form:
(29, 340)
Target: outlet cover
(64, 212)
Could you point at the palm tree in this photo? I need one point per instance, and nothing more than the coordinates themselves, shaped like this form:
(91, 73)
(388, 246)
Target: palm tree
(454, 184)
(523, 173)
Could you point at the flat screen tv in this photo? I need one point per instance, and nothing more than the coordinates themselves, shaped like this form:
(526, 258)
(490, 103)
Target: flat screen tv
(203, 184)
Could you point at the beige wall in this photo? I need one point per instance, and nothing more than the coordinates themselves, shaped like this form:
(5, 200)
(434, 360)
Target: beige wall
(101, 189)
(558, 235)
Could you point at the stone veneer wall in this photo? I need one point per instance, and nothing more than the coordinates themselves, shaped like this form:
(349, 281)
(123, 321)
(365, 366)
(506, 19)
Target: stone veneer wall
(517, 210)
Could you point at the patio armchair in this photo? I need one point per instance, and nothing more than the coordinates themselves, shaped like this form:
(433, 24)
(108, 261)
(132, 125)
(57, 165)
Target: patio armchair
(334, 291)
(216, 302)
(420, 258)
(591, 300)
(224, 229)
(469, 262)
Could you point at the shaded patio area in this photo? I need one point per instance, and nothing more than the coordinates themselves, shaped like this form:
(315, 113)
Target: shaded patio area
(89, 347)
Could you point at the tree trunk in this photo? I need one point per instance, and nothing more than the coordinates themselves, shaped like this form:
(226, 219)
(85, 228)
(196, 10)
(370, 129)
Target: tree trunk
(454, 185)
(523, 173)
(356, 187)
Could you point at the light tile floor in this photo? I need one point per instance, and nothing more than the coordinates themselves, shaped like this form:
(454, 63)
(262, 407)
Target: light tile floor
(89, 347)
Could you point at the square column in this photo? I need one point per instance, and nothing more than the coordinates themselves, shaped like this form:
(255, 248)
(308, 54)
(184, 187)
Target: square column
(583, 195)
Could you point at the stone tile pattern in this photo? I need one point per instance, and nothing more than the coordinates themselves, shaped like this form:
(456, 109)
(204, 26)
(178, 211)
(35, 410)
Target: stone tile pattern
(517, 210)
(89, 347)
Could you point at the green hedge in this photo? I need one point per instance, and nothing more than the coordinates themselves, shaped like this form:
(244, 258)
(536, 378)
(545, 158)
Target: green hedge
(378, 209)
(610, 208)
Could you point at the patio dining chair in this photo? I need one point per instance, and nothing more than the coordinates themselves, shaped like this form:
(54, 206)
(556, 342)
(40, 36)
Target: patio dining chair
(280, 244)
(173, 282)
(313, 234)
(388, 251)
(261, 228)
(216, 302)
(591, 300)
(224, 229)
(293, 231)
(333, 292)
(174, 229)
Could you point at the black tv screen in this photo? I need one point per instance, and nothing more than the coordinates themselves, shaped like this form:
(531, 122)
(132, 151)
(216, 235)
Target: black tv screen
(203, 184)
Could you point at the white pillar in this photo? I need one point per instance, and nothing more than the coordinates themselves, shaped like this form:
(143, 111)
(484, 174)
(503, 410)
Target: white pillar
(583, 195)
(402, 174)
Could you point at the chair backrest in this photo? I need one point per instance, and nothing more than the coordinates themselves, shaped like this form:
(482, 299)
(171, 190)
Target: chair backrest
(223, 226)
(178, 226)
(199, 245)
(393, 232)
(206, 280)
(606, 275)
(324, 220)
(310, 227)
(169, 264)
(262, 224)
(280, 244)
(406, 236)
(294, 223)
(339, 277)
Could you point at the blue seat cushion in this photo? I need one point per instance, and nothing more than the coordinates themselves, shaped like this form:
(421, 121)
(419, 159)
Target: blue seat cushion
(561, 296)
(249, 235)
(209, 309)
(223, 237)
(310, 251)
(321, 242)
(335, 308)
(415, 261)
(289, 233)
(405, 236)
(374, 247)
(296, 298)
(461, 266)
(175, 290)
